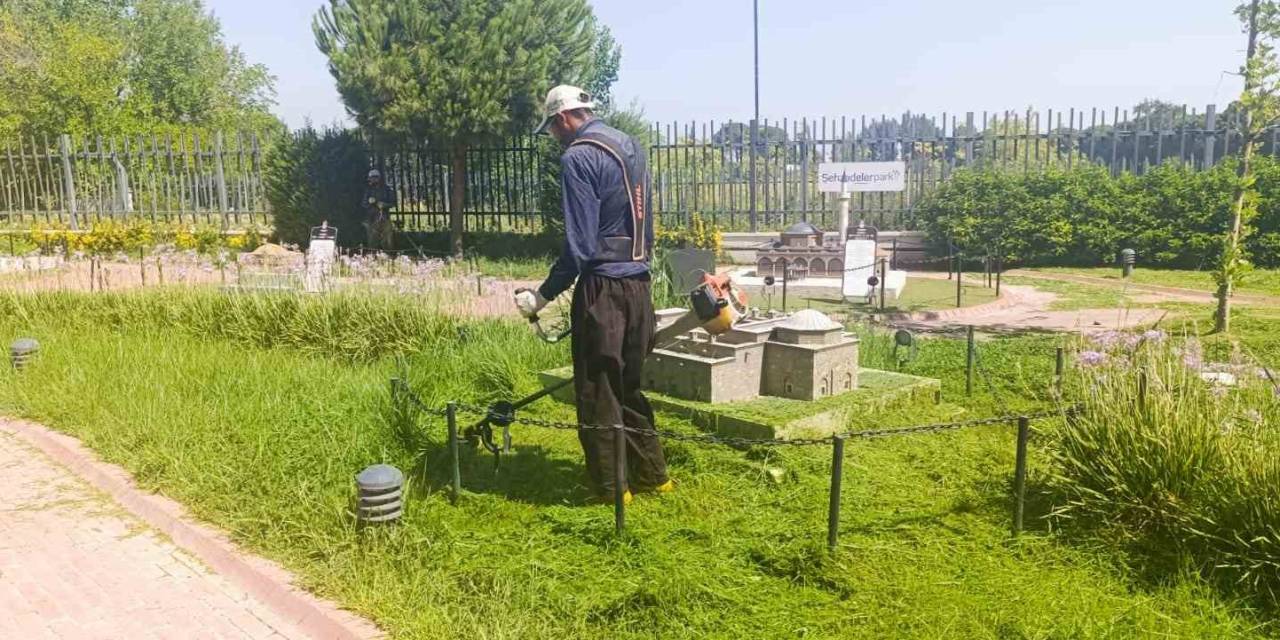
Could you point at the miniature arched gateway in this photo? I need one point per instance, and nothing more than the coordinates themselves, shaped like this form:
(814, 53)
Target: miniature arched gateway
(804, 247)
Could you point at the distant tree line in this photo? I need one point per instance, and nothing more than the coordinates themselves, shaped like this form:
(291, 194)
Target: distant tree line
(115, 67)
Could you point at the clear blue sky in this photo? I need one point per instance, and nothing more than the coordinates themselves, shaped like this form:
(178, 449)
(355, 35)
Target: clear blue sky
(689, 60)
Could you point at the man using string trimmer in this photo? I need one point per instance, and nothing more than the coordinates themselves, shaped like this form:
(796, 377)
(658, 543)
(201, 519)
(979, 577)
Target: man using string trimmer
(607, 249)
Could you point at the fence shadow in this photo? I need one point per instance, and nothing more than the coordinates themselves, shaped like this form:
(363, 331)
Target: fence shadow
(529, 473)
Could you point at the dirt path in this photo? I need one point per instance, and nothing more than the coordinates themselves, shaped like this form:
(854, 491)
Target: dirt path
(1025, 309)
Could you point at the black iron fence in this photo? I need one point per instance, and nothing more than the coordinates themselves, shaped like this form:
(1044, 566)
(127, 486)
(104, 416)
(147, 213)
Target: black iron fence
(707, 168)
(197, 178)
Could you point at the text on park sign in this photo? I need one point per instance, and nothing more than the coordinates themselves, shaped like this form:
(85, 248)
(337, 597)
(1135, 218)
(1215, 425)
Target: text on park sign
(835, 177)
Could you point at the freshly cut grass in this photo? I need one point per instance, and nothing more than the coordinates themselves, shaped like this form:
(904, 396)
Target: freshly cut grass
(264, 442)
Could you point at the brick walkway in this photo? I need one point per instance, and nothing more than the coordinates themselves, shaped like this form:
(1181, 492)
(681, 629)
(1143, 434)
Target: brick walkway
(73, 564)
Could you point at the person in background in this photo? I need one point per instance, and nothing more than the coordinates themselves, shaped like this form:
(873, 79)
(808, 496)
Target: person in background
(378, 200)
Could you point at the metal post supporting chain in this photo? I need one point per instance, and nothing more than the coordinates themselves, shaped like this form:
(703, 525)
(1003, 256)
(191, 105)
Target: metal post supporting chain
(833, 507)
(619, 477)
(883, 274)
(968, 361)
(999, 268)
(1020, 474)
(1059, 366)
(451, 415)
(1142, 392)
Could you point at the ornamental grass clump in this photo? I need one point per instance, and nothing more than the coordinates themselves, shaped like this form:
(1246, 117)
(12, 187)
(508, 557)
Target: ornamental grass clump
(1177, 458)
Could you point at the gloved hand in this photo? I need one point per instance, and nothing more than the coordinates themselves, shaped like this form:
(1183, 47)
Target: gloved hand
(529, 302)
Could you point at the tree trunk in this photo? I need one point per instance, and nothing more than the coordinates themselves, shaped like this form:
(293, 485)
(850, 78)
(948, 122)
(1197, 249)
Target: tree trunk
(1231, 252)
(457, 198)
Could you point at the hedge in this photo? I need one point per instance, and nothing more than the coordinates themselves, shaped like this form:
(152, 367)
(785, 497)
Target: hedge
(1171, 215)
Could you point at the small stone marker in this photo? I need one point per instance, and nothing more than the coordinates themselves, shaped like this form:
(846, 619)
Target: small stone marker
(380, 490)
(22, 351)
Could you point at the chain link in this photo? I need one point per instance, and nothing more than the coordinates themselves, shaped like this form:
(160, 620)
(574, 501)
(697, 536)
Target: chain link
(731, 441)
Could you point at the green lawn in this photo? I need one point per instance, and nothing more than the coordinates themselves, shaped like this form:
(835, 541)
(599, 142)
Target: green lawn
(260, 432)
(1254, 326)
(1077, 295)
(1262, 281)
(515, 269)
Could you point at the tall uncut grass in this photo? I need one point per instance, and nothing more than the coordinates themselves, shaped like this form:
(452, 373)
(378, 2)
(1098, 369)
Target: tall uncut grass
(354, 327)
(263, 443)
(1177, 457)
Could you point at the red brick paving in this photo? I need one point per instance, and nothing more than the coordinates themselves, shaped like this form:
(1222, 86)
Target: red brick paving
(74, 564)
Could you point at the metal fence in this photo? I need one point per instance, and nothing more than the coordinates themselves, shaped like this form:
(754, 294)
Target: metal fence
(503, 192)
(78, 180)
(708, 168)
(712, 168)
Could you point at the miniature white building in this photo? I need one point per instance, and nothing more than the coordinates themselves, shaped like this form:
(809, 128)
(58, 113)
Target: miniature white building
(804, 356)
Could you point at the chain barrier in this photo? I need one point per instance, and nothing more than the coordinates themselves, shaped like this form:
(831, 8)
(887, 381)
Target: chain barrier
(732, 441)
(503, 414)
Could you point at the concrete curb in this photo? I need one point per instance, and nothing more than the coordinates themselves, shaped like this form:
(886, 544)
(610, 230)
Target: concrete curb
(266, 581)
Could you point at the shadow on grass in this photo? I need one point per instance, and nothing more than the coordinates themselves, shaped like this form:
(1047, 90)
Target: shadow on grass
(529, 473)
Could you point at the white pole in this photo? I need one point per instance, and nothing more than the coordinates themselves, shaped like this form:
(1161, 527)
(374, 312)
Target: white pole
(844, 214)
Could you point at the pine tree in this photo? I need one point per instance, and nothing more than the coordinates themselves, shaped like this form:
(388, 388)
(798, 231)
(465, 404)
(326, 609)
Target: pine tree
(453, 73)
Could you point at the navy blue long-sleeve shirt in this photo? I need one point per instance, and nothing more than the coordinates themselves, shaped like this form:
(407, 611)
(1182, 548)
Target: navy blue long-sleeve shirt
(588, 175)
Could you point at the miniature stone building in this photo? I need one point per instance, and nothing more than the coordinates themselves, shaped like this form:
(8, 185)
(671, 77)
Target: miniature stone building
(802, 247)
(804, 356)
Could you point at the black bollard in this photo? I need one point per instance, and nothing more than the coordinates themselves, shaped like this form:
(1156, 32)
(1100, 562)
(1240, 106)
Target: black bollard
(619, 477)
(968, 362)
(1020, 474)
(452, 416)
(833, 507)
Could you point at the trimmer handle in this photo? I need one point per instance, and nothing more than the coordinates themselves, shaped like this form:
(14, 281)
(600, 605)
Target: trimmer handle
(542, 333)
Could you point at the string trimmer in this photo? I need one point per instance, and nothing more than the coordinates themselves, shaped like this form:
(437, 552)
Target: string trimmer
(716, 304)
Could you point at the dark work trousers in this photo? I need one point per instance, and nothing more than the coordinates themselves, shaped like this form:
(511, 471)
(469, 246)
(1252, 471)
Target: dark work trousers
(613, 332)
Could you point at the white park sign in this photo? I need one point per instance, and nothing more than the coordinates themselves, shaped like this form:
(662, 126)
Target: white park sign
(839, 177)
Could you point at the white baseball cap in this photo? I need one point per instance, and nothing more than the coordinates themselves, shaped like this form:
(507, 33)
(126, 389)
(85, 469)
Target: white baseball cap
(563, 98)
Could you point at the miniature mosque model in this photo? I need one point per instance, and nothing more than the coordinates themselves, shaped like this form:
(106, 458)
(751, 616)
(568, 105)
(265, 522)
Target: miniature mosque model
(803, 356)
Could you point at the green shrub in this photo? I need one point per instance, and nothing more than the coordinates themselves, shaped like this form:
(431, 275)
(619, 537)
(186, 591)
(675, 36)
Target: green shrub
(316, 176)
(1180, 469)
(1172, 215)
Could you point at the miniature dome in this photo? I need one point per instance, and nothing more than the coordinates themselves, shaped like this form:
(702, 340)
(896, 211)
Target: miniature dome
(810, 320)
(802, 228)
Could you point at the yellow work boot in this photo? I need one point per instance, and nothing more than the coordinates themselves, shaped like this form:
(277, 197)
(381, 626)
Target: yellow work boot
(608, 498)
(666, 487)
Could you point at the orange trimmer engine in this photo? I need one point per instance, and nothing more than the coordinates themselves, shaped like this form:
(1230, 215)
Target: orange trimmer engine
(717, 303)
